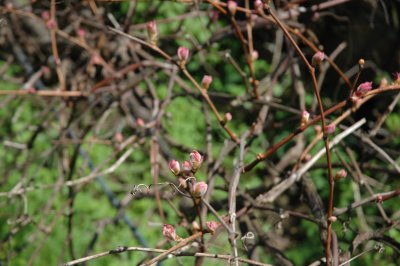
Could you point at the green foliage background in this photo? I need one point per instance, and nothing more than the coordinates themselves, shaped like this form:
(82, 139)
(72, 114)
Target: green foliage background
(185, 124)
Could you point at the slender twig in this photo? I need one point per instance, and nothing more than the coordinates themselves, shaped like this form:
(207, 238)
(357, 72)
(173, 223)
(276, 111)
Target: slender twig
(156, 250)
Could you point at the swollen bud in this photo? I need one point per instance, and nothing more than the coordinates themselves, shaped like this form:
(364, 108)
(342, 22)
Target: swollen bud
(232, 7)
(258, 5)
(169, 233)
(364, 87)
(212, 226)
(340, 174)
(397, 78)
(330, 129)
(332, 219)
(186, 166)
(183, 54)
(305, 116)
(174, 167)
(227, 117)
(199, 189)
(317, 58)
(206, 81)
(152, 32)
(254, 55)
(195, 159)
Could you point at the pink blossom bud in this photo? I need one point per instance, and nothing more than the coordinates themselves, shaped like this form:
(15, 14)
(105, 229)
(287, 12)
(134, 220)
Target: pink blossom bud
(330, 129)
(206, 81)
(183, 54)
(232, 7)
(258, 5)
(212, 226)
(364, 87)
(96, 59)
(397, 78)
(186, 166)
(139, 122)
(317, 129)
(379, 199)
(9, 6)
(45, 70)
(51, 24)
(340, 174)
(31, 90)
(45, 15)
(254, 55)
(317, 58)
(305, 116)
(81, 32)
(169, 232)
(199, 189)
(383, 83)
(174, 167)
(227, 117)
(195, 159)
(118, 137)
(152, 31)
(332, 219)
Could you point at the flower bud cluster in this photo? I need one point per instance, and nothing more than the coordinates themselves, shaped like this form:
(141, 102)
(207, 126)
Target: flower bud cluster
(187, 169)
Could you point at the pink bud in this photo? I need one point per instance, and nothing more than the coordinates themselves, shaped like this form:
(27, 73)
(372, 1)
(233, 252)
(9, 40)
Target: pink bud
(232, 7)
(195, 159)
(379, 199)
(340, 174)
(212, 226)
(169, 232)
(332, 219)
(152, 31)
(317, 129)
(45, 15)
(397, 78)
(199, 189)
(152, 27)
(383, 83)
(186, 166)
(254, 55)
(317, 58)
(9, 6)
(45, 70)
(227, 117)
(31, 90)
(51, 24)
(258, 5)
(139, 122)
(206, 81)
(305, 116)
(96, 59)
(81, 32)
(174, 167)
(364, 87)
(118, 137)
(330, 129)
(183, 54)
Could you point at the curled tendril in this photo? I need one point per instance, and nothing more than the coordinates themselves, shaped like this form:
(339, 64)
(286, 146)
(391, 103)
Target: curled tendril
(143, 188)
(379, 247)
(137, 189)
(246, 237)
